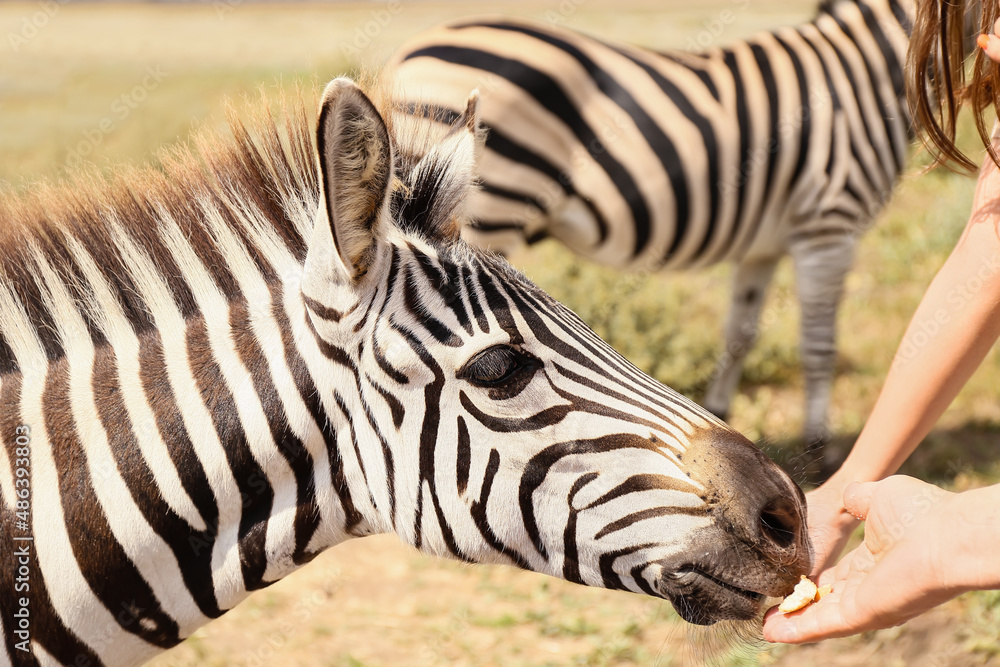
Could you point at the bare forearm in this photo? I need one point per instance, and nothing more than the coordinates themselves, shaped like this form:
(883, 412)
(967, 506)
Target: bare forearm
(946, 341)
(954, 327)
(956, 323)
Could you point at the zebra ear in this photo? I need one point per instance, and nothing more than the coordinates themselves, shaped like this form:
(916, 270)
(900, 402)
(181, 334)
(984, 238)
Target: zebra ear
(355, 168)
(441, 181)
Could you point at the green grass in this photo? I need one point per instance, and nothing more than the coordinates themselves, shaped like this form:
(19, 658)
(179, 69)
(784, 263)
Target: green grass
(64, 82)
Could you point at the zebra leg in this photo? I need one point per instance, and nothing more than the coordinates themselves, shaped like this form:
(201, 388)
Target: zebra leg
(750, 283)
(820, 269)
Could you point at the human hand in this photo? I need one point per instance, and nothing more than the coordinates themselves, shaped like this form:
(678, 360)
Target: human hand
(830, 524)
(904, 567)
(990, 44)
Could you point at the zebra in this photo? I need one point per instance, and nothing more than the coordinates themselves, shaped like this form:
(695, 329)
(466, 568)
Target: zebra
(212, 372)
(789, 142)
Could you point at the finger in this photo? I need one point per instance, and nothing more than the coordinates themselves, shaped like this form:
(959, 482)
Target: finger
(838, 572)
(827, 577)
(858, 498)
(990, 44)
(821, 620)
(834, 574)
(825, 542)
(858, 561)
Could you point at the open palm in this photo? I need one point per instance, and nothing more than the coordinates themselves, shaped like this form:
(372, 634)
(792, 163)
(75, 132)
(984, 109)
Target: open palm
(902, 569)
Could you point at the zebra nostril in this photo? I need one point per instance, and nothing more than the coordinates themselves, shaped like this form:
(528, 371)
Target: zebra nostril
(780, 521)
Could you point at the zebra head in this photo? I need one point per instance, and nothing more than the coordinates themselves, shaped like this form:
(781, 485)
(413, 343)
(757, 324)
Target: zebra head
(488, 423)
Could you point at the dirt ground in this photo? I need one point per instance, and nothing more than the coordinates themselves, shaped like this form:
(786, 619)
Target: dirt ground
(375, 602)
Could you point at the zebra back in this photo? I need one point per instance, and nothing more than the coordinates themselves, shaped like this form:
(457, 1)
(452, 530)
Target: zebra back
(643, 159)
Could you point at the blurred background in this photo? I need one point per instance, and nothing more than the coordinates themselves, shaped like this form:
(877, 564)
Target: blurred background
(108, 83)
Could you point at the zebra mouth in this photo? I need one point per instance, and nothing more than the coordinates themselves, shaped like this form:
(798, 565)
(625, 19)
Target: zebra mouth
(747, 593)
(703, 599)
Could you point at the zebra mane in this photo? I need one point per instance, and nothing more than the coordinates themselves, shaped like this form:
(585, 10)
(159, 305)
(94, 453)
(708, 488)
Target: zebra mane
(264, 169)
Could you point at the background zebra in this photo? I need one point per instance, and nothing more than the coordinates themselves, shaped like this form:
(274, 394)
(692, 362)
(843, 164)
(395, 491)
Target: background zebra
(787, 143)
(209, 375)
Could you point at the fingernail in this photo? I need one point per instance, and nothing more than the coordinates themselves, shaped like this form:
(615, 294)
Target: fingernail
(983, 41)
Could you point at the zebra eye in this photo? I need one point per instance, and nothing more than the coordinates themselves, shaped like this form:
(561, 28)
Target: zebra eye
(496, 366)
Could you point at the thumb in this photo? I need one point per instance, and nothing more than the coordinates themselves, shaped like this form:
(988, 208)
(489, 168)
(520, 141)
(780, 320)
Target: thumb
(858, 498)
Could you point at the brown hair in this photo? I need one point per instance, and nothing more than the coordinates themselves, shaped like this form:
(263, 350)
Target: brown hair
(938, 83)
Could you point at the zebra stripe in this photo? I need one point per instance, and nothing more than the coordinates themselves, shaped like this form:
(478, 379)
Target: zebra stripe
(224, 373)
(789, 142)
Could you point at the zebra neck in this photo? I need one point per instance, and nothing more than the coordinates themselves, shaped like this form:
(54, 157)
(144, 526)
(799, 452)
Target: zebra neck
(251, 485)
(289, 496)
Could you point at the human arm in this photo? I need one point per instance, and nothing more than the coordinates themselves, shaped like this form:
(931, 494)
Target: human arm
(952, 330)
(923, 546)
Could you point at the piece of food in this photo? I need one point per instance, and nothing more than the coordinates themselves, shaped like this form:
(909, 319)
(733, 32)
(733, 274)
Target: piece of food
(821, 591)
(805, 592)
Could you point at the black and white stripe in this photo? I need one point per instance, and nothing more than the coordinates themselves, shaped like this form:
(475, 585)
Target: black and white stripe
(281, 344)
(789, 142)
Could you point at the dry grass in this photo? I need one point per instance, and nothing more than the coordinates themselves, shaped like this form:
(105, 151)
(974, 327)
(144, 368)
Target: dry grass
(373, 602)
